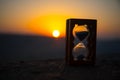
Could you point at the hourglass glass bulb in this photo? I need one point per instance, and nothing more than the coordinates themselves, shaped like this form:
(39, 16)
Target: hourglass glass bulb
(80, 33)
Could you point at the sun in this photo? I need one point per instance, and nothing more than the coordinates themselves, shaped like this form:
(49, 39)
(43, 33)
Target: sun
(56, 33)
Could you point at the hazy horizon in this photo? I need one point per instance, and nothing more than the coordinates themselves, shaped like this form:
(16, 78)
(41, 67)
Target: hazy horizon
(24, 47)
(41, 17)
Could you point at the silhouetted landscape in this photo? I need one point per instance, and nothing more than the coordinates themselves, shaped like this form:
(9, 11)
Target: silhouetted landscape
(24, 57)
(25, 47)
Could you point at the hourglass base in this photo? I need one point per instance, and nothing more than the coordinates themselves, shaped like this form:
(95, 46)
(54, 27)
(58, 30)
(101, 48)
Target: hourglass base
(82, 62)
(80, 57)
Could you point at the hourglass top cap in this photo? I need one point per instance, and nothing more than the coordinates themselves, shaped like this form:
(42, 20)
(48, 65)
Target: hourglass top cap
(82, 19)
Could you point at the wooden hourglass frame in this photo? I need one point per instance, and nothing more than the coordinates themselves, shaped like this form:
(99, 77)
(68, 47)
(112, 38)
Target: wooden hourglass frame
(90, 25)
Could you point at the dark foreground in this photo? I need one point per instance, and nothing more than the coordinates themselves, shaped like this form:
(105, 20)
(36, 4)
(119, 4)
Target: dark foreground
(106, 68)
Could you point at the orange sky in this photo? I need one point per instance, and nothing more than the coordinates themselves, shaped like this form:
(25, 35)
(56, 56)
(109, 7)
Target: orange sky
(41, 17)
(45, 25)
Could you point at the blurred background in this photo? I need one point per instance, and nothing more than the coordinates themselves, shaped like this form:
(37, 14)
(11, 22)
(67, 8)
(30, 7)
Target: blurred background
(27, 26)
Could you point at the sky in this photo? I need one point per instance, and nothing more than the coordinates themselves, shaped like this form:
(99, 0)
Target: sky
(41, 17)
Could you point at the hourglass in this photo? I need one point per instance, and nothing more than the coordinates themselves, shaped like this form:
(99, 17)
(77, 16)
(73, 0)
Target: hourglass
(80, 34)
(80, 41)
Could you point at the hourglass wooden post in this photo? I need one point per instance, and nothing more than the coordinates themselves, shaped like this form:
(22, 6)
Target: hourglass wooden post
(81, 41)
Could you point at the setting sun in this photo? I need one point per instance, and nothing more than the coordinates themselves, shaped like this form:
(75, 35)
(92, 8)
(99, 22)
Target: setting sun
(46, 24)
(56, 33)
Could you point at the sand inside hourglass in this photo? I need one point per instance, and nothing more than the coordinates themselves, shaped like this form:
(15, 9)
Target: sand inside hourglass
(80, 33)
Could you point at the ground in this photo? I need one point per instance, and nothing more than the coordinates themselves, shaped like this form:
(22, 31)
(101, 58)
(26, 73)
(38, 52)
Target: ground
(106, 68)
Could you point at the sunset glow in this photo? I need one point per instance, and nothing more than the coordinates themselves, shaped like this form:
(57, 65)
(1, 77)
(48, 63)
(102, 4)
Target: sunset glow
(45, 25)
(41, 17)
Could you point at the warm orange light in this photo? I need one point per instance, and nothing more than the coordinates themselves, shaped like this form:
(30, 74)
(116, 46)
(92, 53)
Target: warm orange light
(45, 25)
(56, 33)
